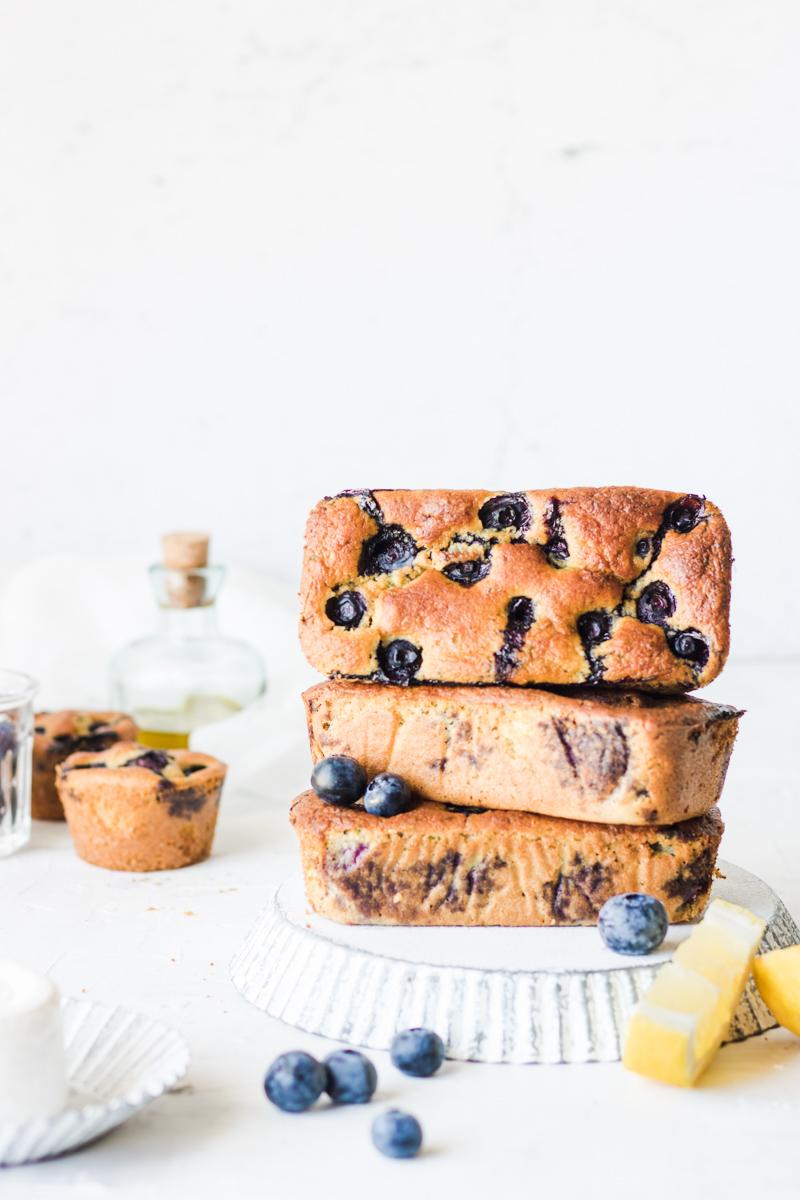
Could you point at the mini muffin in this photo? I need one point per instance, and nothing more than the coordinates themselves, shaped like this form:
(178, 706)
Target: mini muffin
(132, 808)
(57, 735)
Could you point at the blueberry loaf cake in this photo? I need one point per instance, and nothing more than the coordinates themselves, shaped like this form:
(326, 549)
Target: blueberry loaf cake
(594, 755)
(434, 866)
(132, 808)
(622, 586)
(56, 735)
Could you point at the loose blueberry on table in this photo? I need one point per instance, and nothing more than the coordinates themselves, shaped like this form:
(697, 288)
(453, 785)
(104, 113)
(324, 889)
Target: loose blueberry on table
(352, 1078)
(633, 923)
(295, 1081)
(418, 1052)
(387, 795)
(339, 779)
(397, 1134)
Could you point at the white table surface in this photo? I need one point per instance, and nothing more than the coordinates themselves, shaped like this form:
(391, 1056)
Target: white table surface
(161, 943)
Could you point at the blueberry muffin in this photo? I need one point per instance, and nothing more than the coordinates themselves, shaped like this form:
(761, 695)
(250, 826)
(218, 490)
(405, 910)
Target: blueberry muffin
(435, 866)
(619, 757)
(56, 735)
(132, 808)
(621, 586)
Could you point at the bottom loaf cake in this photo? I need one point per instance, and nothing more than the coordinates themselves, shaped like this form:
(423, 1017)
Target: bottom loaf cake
(435, 865)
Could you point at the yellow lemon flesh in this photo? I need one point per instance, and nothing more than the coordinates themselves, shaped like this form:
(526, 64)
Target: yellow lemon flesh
(778, 980)
(679, 1024)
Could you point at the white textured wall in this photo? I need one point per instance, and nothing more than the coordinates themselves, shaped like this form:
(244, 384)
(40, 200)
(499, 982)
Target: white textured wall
(252, 252)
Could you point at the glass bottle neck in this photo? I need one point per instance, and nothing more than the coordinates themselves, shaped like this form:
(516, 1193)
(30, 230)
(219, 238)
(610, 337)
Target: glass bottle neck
(188, 622)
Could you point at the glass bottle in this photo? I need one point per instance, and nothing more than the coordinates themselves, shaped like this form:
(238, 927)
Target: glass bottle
(188, 673)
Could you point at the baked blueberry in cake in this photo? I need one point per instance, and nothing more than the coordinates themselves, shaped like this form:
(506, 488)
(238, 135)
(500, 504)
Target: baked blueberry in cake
(132, 808)
(431, 866)
(56, 735)
(625, 587)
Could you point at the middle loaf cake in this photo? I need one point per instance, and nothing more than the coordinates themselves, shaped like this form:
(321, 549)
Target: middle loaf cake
(593, 755)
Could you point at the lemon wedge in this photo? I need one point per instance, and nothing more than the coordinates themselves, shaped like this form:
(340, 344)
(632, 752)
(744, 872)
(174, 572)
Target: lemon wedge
(778, 980)
(677, 1027)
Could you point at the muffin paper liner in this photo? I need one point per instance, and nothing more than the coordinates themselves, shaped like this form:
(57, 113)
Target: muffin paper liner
(117, 1062)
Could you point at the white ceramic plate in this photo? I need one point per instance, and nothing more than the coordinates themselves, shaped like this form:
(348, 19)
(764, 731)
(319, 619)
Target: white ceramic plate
(117, 1062)
(494, 995)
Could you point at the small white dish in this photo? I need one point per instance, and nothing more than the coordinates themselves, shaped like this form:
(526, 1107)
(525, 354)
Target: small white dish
(117, 1062)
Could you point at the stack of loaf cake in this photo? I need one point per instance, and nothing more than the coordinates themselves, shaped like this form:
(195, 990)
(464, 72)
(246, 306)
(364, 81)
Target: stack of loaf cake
(518, 658)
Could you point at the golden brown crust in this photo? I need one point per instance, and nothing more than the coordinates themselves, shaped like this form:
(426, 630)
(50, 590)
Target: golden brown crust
(593, 755)
(571, 552)
(431, 866)
(134, 818)
(59, 734)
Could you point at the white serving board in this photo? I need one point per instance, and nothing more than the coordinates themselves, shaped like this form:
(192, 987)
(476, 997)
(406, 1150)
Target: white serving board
(494, 995)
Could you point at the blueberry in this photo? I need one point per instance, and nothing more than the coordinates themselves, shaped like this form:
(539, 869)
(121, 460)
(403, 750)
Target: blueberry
(399, 661)
(510, 511)
(519, 613)
(633, 923)
(418, 1052)
(397, 1134)
(557, 549)
(352, 1078)
(642, 547)
(387, 795)
(464, 809)
(8, 736)
(93, 742)
(295, 1081)
(655, 604)
(472, 570)
(388, 550)
(339, 780)
(153, 760)
(346, 609)
(689, 644)
(682, 515)
(365, 500)
(594, 627)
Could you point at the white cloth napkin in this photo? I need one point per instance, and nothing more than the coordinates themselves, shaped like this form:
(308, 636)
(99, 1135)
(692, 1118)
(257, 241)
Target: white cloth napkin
(62, 617)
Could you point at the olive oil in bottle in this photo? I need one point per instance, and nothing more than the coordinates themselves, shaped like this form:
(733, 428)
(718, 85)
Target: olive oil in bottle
(187, 673)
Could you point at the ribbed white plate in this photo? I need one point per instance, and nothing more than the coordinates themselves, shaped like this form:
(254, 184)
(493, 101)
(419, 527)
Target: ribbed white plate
(117, 1062)
(494, 995)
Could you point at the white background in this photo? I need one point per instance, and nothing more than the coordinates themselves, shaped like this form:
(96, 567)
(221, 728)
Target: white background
(253, 252)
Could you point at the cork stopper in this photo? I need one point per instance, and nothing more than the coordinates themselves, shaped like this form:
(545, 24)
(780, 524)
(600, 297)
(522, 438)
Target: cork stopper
(182, 551)
(184, 554)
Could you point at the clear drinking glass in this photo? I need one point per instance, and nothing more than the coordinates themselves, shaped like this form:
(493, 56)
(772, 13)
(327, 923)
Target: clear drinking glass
(16, 749)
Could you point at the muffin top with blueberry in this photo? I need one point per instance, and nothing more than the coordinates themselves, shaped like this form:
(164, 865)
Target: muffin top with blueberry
(69, 730)
(141, 767)
(623, 586)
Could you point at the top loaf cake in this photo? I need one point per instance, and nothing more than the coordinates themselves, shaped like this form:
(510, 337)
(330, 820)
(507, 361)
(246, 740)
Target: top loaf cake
(622, 586)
